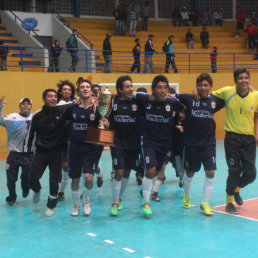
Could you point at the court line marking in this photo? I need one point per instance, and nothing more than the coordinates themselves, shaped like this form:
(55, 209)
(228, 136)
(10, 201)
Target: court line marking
(92, 234)
(236, 215)
(128, 250)
(109, 241)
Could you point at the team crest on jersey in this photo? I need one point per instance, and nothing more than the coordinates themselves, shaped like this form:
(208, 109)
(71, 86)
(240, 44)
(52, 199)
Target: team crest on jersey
(134, 107)
(115, 162)
(147, 159)
(83, 116)
(115, 107)
(252, 108)
(74, 115)
(92, 117)
(7, 166)
(167, 107)
(149, 106)
(213, 104)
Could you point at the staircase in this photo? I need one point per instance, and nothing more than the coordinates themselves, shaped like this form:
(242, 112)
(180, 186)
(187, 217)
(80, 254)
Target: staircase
(221, 37)
(18, 59)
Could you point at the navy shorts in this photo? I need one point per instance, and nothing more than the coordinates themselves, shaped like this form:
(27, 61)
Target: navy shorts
(100, 149)
(196, 155)
(155, 154)
(124, 158)
(81, 159)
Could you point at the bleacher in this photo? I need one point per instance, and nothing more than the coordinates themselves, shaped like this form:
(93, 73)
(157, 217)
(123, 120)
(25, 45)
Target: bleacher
(18, 59)
(221, 37)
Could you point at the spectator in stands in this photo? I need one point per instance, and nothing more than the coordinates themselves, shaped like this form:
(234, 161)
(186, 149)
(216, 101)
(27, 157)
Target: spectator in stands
(213, 57)
(124, 19)
(3, 54)
(107, 53)
(198, 18)
(240, 18)
(55, 52)
(146, 10)
(207, 17)
(72, 46)
(117, 13)
(204, 36)
(136, 54)
(176, 16)
(254, 18)
(149, 51)
(217, 16)
(251, 31)
(189, 39)
(133, 19)
(185, 16)
(168, 48)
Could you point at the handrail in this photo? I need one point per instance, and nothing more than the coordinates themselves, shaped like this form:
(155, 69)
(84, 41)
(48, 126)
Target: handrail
(36, 34)
(69, 25)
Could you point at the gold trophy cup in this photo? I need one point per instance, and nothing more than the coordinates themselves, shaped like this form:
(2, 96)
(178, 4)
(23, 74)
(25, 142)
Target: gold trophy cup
(100, 135)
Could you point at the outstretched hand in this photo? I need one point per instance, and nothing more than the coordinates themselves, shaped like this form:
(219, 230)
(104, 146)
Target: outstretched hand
(2, 101)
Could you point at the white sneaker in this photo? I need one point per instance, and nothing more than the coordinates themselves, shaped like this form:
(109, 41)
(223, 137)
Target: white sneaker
(86, 208)
(75, 211)
(49, 212)
(36, 197)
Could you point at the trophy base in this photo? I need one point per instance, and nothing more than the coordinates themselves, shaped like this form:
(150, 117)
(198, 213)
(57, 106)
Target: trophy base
(100, 136)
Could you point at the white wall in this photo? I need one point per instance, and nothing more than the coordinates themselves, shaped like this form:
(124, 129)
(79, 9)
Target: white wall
(44, 27)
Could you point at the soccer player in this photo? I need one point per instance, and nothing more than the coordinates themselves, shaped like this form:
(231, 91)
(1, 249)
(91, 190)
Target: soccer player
(199, 139)
(157, 134)
(65, 95)
(240, 143)
(47, 126)
(17, 125)
(124, 119)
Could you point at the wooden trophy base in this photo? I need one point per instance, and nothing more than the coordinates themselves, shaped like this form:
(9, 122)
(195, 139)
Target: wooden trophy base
(100, 136)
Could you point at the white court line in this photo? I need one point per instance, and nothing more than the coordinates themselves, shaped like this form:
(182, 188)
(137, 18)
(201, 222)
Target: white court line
(244, 200)
(92, 234)
(147, 257)
(109, 241)
(128, 250)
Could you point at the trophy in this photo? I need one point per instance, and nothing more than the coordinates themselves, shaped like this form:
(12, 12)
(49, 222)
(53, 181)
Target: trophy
(100, 135)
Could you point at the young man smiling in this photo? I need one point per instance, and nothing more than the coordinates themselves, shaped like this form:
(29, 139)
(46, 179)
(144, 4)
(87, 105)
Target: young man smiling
(241, 138)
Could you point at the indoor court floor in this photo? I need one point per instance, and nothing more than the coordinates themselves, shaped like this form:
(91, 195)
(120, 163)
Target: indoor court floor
(172, 231)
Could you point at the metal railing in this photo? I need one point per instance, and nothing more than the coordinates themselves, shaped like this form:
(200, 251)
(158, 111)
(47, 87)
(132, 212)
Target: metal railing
(25, 57)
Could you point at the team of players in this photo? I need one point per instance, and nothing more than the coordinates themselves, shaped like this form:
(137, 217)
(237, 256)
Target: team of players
(144, 124)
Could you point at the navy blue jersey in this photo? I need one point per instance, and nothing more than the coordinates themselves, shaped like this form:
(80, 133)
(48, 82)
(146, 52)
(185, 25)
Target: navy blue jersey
(124, 119)
(200, 126)
(159, 116)
(81, 119)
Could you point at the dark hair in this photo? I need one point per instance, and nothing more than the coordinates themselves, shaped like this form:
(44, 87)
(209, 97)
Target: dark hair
(157, 79)
(121, 80)
(75, 30)
(239, 71)
(136, 40)
(215, 49)
(204, 77)
(60, 86)
(45, 92)
(78, 80)
(151, 36)
(171, 90)
(141, 89)
(96, 86)
(81, 81)
(95, 92)
(170, 36)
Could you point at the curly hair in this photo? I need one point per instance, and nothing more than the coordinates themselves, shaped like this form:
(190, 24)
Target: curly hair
(60, 86)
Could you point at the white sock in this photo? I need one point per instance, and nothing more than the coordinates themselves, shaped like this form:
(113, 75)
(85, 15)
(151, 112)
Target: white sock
(123, 186)
(64, 181)
(187, 184)
(207, 189)
(146, 188)
(76, 197)
(116, 188)
(157, 185)
(86, 194)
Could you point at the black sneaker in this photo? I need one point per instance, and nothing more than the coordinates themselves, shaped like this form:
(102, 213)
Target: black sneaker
(238, 198)
(181, 182)
(100, 180)
(139, 180)
(10, 201)
(61, 196)
(155, 197)
(230, 208)
(112, 175)
(163, 181)
(25, 193)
